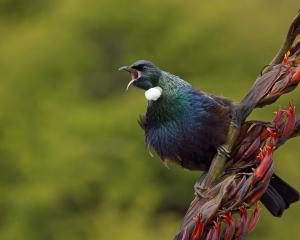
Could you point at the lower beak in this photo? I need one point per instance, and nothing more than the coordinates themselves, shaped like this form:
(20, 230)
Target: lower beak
(130, 83)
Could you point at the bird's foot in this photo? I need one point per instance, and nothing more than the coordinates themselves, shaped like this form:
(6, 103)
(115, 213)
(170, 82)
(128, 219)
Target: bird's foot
(200, 190)
(222, 150)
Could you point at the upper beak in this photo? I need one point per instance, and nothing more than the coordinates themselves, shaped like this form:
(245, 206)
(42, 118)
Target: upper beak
(126, 68)
(134, 74)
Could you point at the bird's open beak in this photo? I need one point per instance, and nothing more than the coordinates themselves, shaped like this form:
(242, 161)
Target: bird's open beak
(135, 75)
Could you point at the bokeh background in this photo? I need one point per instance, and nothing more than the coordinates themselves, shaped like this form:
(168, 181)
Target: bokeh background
(73, 164)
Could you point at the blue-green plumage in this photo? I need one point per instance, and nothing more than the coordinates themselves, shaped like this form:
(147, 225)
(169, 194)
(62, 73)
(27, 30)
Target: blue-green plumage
(178, 125)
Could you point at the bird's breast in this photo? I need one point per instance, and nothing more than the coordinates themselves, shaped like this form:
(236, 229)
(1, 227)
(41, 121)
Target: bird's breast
(187, 131)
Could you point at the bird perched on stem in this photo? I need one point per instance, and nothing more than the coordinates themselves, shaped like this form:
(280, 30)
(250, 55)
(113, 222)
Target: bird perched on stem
(187, 126)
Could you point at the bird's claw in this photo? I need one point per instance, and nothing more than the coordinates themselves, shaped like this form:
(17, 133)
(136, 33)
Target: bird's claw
(200, 190)
(223, 151)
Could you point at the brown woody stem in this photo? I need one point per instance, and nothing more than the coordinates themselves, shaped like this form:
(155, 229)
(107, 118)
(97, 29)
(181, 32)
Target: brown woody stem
(218, 163)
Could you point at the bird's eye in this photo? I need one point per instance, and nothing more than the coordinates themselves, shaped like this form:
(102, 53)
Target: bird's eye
(140, 67)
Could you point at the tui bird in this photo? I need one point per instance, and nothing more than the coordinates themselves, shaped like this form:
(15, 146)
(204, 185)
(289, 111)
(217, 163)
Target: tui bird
(186, 126)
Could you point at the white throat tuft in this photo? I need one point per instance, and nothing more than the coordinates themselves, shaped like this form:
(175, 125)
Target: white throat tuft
(153, 94)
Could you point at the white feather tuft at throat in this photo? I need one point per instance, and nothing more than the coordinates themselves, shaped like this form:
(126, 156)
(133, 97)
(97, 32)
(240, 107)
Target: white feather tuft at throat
(153, 94)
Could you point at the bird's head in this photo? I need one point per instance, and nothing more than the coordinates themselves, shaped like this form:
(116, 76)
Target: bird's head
(144, 74)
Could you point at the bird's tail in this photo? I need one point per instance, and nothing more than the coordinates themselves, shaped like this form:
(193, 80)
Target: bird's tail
(279, 196)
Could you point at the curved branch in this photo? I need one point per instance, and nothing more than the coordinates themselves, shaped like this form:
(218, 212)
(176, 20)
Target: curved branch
(277, 79)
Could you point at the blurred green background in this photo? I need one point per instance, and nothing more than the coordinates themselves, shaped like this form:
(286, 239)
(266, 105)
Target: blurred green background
(73, 164)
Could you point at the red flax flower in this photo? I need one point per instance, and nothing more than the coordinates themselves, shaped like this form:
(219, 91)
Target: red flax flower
(229, 209)
(224, 212)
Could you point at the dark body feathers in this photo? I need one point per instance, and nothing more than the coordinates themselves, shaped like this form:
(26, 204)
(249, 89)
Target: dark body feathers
(279, 196)
(185, 125)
